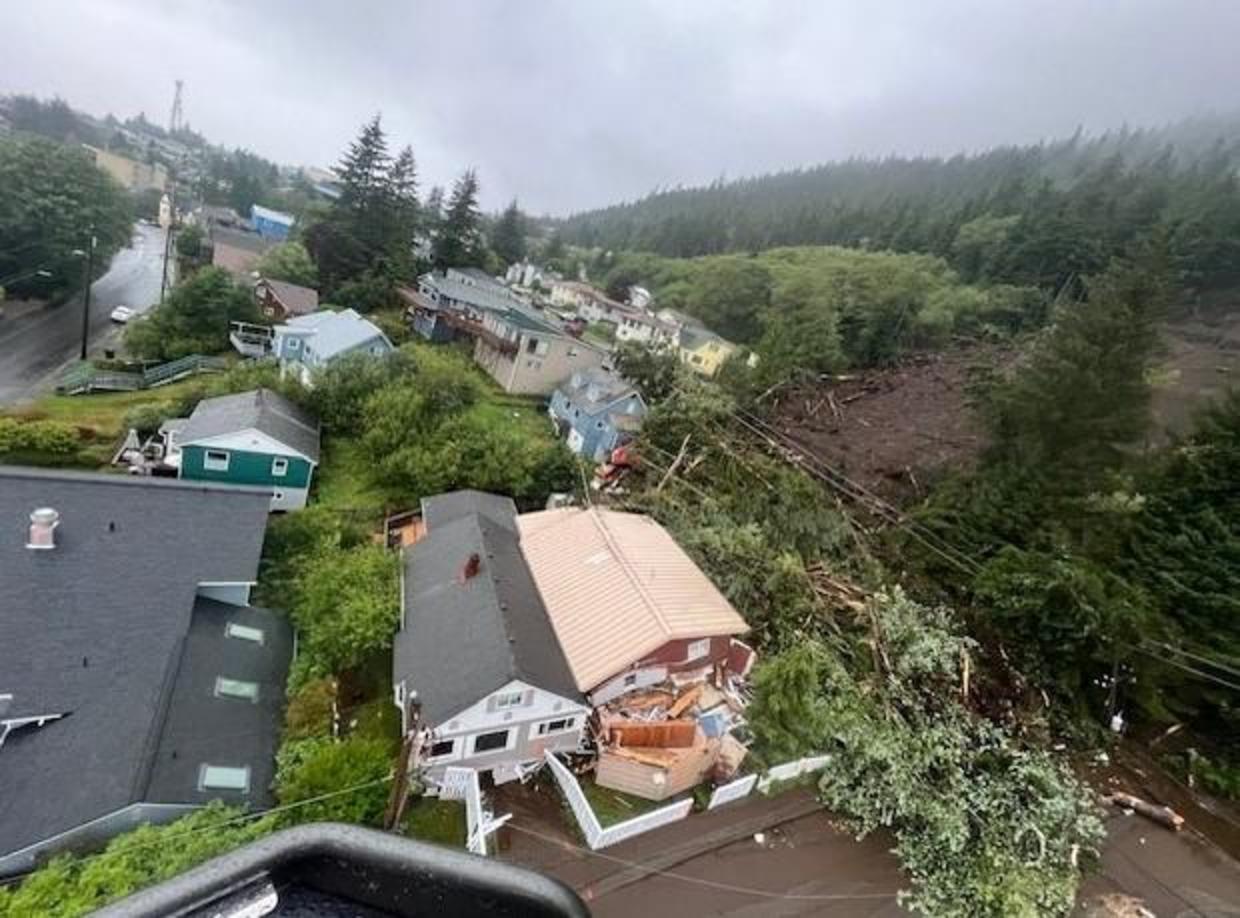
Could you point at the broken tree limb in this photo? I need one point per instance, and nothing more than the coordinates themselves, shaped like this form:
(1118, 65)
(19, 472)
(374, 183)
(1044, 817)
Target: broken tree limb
(671, 469)
(1163, 815)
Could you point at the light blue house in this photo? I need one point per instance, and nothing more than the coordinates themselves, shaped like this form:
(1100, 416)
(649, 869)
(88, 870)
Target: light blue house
(597, 411)
(306, 344)
(270, 224)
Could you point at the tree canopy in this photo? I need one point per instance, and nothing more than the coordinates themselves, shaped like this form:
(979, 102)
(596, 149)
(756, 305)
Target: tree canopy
(54, 200)
(193, 318)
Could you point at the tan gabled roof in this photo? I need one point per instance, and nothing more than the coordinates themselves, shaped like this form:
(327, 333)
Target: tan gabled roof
(616, 587)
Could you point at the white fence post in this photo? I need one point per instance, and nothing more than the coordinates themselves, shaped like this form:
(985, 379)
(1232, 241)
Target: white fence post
(734, 790)
(462, 784)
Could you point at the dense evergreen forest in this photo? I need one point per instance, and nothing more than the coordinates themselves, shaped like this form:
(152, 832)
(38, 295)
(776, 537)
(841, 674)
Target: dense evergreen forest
(1038, 215)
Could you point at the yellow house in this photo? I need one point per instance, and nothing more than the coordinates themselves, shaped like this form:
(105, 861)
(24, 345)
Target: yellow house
(134, 175)
(703, 350)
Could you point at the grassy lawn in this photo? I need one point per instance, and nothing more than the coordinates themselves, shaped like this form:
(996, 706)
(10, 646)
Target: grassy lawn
(99, 418)
(343, 480)
(103, 412)
(434, 820)
(611, 806)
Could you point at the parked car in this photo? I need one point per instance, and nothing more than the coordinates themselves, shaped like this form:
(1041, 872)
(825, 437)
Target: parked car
(122, 314)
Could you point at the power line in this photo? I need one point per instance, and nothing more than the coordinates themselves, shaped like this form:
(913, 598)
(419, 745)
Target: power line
(711, 884)
(1209, 677)
(1193, 656)
(823, 471)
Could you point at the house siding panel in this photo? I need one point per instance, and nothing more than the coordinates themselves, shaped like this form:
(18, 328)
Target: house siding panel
(245, 468)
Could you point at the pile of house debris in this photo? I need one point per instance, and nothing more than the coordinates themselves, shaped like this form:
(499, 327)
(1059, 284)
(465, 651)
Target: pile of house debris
(665, 739)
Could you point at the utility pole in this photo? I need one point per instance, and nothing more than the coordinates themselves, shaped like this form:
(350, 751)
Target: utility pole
(90, 277)
(172, 222)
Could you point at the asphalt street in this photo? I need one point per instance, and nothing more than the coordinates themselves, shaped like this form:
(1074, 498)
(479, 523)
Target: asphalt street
(36, 345)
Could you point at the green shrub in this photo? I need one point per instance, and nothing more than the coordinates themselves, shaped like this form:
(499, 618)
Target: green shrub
(311, 710)
(50, 437)
(147, 417)
(312, 768)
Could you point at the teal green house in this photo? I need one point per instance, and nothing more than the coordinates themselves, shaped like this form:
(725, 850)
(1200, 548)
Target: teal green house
(256, 439)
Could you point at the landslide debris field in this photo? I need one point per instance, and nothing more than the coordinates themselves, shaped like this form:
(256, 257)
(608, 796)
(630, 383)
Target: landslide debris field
(894, 429)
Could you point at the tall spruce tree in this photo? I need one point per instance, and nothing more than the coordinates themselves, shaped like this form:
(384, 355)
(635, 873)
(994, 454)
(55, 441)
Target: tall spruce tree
(403, 185)
(459, 241)
(508, 236)
(1084, 396)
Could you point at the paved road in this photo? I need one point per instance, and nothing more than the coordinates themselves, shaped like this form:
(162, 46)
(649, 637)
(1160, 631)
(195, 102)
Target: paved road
(36, 345)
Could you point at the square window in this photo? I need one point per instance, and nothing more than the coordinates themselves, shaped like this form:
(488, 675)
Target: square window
(508, 700)
(698, 649)
(215, 460)
(224, 777)
(441, 749)
(488, 742)
(531, 345)
(630, 679)
(244, 632)
(293, 344)
(236, 688)
(279, 467)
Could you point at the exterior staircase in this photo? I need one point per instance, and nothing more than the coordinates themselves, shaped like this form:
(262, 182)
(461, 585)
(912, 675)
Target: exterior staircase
(86, 377)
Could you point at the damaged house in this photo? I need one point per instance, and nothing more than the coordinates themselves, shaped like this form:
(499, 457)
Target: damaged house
(651, 642)
(562, 629)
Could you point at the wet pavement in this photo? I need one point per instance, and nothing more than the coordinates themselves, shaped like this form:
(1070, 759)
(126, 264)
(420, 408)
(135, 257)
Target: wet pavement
(710, 864)
(36, 344)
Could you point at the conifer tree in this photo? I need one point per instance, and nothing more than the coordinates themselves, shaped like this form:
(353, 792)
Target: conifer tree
(459, 240)
(508, 236)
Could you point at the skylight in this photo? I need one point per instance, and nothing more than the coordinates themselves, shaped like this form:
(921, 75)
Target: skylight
(236, 688)
(244, 632)
(224, 777)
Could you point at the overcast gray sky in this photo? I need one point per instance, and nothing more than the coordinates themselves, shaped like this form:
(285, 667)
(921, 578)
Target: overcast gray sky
(568, 105)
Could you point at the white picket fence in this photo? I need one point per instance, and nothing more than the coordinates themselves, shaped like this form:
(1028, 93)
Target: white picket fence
(598, 837)
(734, 790)
(462, 784)
(791, 770)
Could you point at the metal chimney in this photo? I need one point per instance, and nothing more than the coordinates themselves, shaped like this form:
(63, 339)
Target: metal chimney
(43, 523)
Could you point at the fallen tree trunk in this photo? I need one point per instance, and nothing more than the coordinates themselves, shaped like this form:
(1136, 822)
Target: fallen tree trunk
(1163, 815)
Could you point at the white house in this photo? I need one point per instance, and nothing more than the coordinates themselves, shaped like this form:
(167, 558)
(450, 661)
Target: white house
(477, 671)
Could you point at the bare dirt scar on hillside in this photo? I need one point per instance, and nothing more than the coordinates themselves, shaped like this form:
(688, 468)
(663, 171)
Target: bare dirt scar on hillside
(893, 429)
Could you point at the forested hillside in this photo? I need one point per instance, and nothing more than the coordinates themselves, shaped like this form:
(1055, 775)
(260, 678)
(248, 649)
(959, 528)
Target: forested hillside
(1035, 215)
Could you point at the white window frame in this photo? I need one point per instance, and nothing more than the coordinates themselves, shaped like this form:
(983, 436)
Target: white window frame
(698, 649)
(443, 756)
(210, 777)
(279, 466)
(508, 741)
(245, 633)
(506, 700)
(216, 464)
(570, 724)
(293, 344)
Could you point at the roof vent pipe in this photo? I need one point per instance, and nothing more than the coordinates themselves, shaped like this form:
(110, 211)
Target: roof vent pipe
(43, 523)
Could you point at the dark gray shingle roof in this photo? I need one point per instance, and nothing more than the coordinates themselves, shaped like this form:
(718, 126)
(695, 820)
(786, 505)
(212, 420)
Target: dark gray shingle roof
(93, 628)
(442, 509)
(261, 409)
(594, 390)
(465, 638)
(200, 728)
